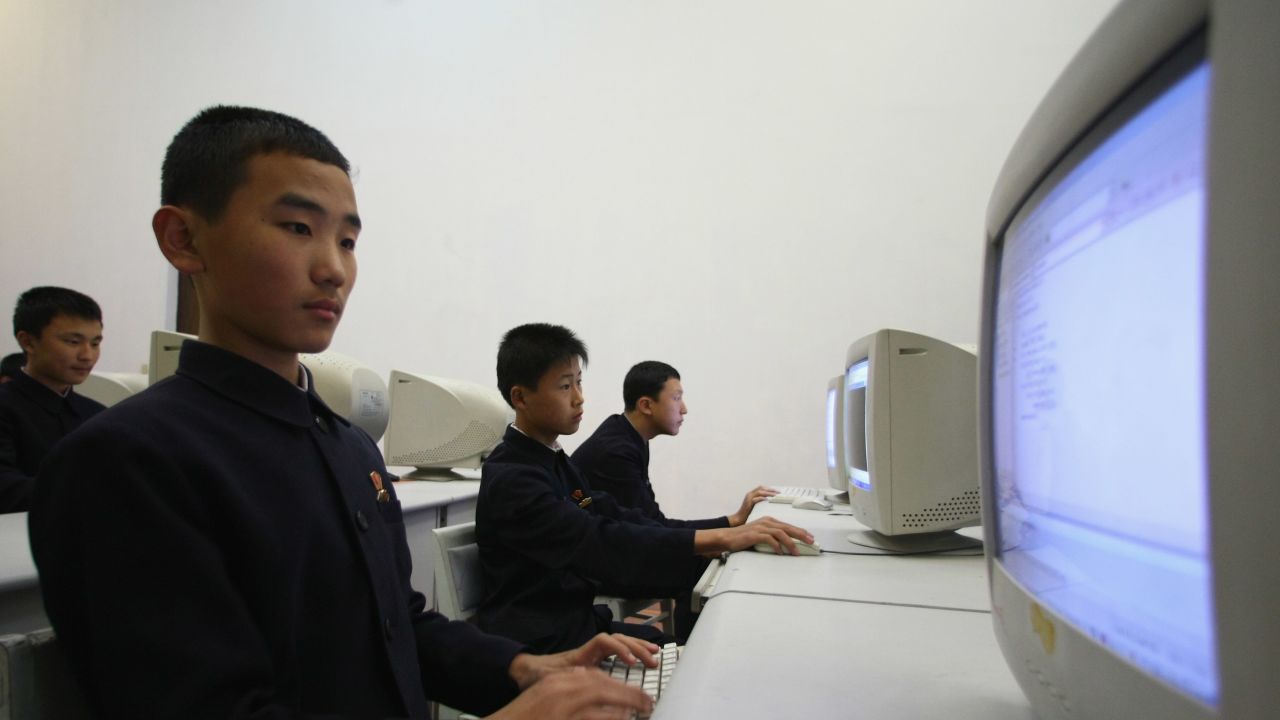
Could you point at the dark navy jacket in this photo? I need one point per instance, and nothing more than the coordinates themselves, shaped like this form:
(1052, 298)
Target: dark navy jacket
(213, 548)
(543, 552)
(32, 419)
(615, 459)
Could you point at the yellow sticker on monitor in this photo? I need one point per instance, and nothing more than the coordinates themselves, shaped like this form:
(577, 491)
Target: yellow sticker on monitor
(1043, 626)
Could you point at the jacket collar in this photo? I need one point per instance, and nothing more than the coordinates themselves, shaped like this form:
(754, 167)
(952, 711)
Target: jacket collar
(39, 393)
(252, 385)
(530, 448)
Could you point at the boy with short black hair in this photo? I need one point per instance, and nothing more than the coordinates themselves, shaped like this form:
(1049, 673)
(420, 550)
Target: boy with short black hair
(546, 538)
(615, 458)
(60, 331)
(223, 545)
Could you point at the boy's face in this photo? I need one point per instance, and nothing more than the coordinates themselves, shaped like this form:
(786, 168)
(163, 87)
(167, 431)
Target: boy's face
(278, 265)
(668, 410)
(554, 408)
(65, 352)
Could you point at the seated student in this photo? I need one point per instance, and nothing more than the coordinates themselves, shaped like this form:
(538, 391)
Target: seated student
(615, 458)
(546, 537)
(11, 365)
(60, 330)
(222, 545)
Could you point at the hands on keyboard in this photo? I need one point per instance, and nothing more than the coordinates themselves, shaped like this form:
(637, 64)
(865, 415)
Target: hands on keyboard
(653, 680)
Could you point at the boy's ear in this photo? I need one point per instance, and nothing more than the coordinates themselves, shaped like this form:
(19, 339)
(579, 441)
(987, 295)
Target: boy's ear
(26, 341)
(174, 234)
(517, 397)
(645, 405)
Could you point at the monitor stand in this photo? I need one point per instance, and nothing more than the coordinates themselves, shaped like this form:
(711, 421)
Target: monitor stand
(915, 543)
(434, 475)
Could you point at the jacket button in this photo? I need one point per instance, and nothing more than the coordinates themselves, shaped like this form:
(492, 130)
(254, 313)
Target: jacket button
(362, 522)
(321, 424)
(386, 628)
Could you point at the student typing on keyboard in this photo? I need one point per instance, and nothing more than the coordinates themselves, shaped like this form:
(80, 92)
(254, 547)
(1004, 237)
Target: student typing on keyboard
(547, 538)
(615, 459)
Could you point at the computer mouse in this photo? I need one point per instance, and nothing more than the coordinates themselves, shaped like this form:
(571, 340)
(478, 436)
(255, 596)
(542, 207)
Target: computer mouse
(805, 548)
(811, 503)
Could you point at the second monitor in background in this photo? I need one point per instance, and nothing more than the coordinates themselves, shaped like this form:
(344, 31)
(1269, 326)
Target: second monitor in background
(910, 442)
(438, 424)
(837, 469)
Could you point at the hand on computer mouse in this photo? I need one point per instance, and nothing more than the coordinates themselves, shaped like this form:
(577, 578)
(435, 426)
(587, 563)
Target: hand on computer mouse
(767, 530)
(803, 547)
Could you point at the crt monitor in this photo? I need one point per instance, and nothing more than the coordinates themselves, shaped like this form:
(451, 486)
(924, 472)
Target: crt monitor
(837, 476)
(1129, 401)
(910, 417)
(165, 348)
(351, 390)
(110, 388)
(438, 424)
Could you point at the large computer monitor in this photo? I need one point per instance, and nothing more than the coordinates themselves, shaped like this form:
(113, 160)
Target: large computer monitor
(350, 389)
(1129, 396)
(110, 388)
(438, 424)
(166, 345)
(837, 471)
(910, 416)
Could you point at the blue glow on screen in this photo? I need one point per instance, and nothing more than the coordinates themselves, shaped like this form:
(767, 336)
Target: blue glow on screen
(1098, 413)
(855, 424)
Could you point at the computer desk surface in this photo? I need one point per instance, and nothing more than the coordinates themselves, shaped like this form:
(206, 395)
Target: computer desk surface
(761, 656)
(943, 581)
(836, 635)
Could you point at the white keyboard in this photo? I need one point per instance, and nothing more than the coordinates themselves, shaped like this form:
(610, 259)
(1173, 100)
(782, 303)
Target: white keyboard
(789, 494)
(650, 679)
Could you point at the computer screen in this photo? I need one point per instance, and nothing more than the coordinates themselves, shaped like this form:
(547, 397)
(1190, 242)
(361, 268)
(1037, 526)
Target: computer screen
(910, 442)
(438, 424)
(837, 476)
(1128, 397)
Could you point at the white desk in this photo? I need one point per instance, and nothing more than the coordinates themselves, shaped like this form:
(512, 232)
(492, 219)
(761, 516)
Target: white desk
(834, 659)
(875, 636)
(21, 608)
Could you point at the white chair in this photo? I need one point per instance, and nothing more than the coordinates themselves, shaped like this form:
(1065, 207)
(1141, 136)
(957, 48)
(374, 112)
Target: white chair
(35, 681)
(459, 578)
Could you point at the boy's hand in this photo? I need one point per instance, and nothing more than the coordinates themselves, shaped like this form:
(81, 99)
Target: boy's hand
(579, 693)
(528, 669)
(765, 530)
(758, 494)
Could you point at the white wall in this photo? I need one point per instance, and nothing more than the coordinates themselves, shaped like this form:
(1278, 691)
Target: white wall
(736, 187)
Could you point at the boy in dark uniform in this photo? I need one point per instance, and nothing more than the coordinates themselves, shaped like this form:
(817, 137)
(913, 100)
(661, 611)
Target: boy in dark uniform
(546, 538)
(615, 459)
(223, 545)
(60, 330)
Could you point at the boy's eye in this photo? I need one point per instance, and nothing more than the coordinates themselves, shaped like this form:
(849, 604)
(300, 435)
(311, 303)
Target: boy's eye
(297, 227)
(349, 243)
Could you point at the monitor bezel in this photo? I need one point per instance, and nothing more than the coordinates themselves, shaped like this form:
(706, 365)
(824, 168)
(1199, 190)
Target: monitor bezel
(1057, 664)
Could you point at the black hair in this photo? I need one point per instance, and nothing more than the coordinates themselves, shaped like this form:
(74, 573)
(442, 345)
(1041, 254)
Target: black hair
(528, 351)
(646, 379)
(12, 364)
(209, 157)
(37, 307)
